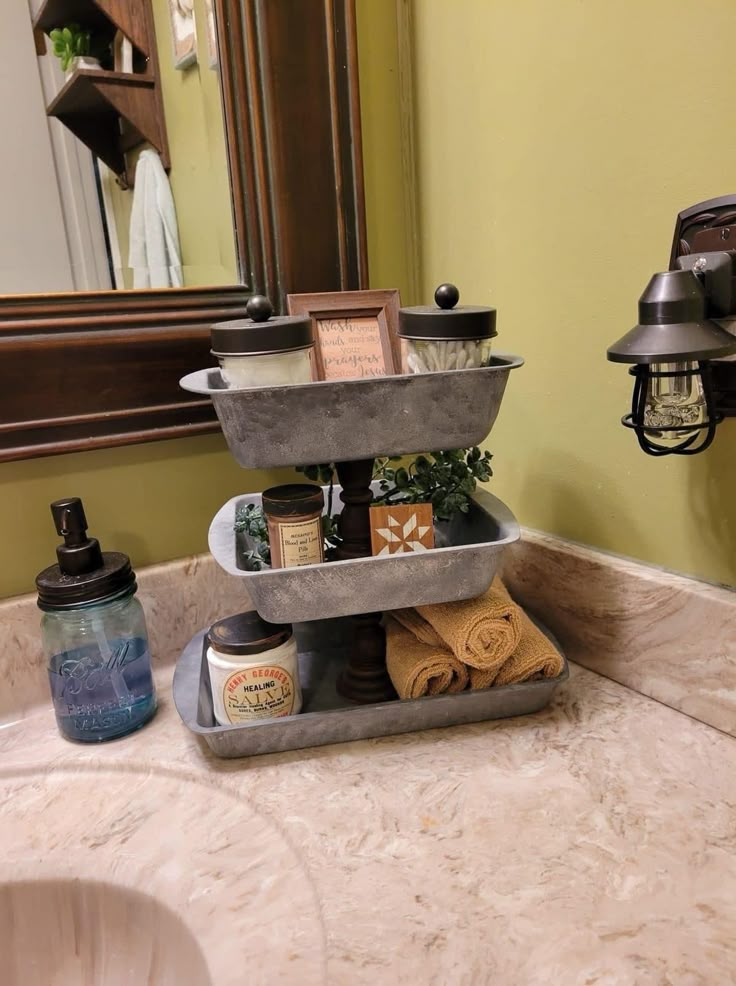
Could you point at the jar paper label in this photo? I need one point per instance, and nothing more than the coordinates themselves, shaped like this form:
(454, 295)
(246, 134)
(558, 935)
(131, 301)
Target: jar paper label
(301, 544)
(263, 692)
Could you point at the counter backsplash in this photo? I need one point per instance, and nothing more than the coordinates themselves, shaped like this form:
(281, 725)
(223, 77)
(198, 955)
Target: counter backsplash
(664, 635)
(179, 598)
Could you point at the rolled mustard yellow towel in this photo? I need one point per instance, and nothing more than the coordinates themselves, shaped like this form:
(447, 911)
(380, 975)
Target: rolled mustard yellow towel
(536, 654)
(419, 669)
(481, 632)
(411, 620)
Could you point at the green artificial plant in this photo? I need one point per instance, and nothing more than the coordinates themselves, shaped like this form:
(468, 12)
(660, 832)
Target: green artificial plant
(446, 479)
(249, 520)
(70, 42)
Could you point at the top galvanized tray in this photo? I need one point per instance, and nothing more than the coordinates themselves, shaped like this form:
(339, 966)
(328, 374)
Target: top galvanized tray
(342, 420)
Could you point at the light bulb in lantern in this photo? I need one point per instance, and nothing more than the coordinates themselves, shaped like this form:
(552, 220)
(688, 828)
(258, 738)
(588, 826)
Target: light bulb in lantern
(675, 399)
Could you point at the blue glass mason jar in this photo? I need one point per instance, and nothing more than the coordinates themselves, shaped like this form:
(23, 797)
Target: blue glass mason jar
(94, 634)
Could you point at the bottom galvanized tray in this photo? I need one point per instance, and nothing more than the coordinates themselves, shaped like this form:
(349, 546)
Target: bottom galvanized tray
(328, 718)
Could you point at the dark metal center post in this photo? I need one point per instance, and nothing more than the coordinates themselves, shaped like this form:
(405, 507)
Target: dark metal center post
(365, 679)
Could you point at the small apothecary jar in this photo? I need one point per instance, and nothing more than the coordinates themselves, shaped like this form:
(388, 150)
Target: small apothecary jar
(293, 514)
(264, 351)
(445, 337)
(254, 671)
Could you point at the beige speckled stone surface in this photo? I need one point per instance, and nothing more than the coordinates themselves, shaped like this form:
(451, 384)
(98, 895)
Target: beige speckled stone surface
(593, 843)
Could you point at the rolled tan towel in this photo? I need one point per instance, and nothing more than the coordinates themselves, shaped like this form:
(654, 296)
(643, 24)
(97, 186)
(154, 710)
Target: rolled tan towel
(481, 632)
(411, 620)
(418, 669)
(535, 655)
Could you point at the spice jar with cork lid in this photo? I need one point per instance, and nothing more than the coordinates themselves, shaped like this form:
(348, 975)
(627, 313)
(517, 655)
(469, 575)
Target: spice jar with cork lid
(446, 336)
(253, 669)
(293, 514)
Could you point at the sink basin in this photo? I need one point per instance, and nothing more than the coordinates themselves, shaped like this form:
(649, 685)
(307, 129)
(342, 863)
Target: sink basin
(133, 875)
(59, 932)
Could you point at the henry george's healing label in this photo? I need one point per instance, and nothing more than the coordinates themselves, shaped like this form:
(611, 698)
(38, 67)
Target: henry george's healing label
(262, 692)
(301, 543)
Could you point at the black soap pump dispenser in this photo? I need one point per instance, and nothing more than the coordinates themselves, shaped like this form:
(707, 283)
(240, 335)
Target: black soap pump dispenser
(94, 633)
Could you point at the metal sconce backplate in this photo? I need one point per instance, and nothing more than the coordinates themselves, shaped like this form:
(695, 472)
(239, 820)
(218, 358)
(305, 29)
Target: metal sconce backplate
(705, 228)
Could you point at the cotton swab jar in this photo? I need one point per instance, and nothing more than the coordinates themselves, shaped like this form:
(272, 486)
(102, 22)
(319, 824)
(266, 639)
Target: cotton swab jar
(446, 337)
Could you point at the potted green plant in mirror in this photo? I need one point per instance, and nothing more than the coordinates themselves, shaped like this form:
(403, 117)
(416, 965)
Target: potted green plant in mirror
(446, 479)
(73, 46)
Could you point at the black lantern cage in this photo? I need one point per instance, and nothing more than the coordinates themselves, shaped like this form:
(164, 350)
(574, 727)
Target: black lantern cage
(695, 436)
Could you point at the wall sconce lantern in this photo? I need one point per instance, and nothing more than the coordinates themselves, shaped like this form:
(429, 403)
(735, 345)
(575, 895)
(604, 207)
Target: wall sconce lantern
(684, 383)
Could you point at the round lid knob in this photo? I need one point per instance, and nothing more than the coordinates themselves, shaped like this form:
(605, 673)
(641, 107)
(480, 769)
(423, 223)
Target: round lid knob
(447, 296)
(444, 320)
(259, 308)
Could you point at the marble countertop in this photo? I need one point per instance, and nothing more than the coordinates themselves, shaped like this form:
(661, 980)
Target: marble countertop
(591, 843)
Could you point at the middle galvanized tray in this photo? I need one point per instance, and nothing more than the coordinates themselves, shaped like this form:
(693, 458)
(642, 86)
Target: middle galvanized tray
(462, 567)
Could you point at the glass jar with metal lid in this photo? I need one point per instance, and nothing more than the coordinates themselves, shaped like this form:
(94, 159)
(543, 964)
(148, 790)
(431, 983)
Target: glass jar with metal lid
(293, 514)
(446, 336)
(94, 634)
(264, 351)
(253, 667)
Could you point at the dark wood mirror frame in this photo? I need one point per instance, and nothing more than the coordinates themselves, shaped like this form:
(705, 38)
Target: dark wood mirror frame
(83, 371)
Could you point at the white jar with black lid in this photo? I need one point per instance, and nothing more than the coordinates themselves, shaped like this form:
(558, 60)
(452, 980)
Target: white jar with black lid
(254, 672)
(264, 351)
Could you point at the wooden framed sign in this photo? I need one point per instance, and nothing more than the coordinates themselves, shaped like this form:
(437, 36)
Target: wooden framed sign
(356, 332)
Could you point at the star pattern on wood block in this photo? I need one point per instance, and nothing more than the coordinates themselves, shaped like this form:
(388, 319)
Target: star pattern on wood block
(402, 528)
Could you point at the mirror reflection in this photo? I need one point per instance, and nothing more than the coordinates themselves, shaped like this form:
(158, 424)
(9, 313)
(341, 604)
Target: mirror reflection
(116, 176)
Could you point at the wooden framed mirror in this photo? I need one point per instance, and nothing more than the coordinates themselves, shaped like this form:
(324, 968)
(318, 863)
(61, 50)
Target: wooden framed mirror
(92, 369)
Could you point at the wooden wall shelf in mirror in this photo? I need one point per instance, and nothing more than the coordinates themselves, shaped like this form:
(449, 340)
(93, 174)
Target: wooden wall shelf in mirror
(108, 110)
(129, 16)
(82, 370)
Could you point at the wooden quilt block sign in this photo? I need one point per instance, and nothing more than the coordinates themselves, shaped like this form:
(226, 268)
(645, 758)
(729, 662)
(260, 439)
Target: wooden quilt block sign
(401, 528)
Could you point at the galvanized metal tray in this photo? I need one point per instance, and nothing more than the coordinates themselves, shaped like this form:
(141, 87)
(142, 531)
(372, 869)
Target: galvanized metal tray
(462, 567)
(327, 718)
(342, 420)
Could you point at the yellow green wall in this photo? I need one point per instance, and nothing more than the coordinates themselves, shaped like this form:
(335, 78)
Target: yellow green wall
(387, 200)
(156, 501)
(152, 501)
(556, 143)
(199, 174)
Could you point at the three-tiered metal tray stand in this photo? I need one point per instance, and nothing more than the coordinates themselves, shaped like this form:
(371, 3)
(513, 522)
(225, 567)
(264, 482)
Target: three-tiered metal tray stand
(336, 607)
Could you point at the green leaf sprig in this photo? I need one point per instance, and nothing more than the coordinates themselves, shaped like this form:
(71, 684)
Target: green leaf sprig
(250, 520)
(446, 479)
